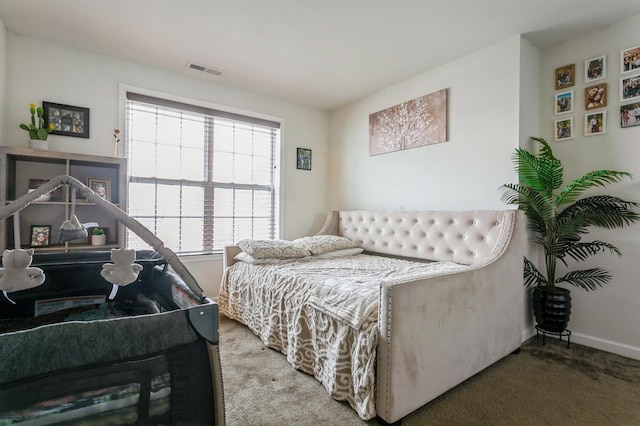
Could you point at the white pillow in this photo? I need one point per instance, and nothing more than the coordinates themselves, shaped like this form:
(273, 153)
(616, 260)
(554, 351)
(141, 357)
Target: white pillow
(338, 253)
(247, 258)
(274, 249)
(319, 244)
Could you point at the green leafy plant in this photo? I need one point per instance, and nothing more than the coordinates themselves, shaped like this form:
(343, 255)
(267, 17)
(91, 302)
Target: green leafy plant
(97, 231)
(559, 218)
(37, 131)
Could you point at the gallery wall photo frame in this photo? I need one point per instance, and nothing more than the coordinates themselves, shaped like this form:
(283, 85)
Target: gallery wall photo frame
(101, 186)
(67, 120)
(630, 88)
(630, 60)
(595, 69)
(40, 235)
(595, 123)
(630, 115)
(563, 129)
(303, 159)
(565, 76)
(595, 96)
(564, 102)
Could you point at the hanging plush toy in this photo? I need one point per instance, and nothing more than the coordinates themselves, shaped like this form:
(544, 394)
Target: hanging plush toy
(16, 274)
(72, 229)
(122, 271)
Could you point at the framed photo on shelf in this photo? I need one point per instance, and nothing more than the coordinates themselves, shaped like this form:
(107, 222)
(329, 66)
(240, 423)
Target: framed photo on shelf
(101, 186)
(40, 235)
(67, 120)
(595, 96)
(630, 88)
(630, 115)
(630, 60)
(564, 102)
(565, 76)
(595, 123)
(55, 195)
(564, 129)
(303, 159)
(595, 69)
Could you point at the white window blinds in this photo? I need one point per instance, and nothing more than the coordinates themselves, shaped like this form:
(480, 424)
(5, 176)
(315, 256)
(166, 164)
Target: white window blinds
(200, 178)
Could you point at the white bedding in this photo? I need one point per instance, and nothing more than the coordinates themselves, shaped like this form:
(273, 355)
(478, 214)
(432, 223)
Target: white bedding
(322, 314)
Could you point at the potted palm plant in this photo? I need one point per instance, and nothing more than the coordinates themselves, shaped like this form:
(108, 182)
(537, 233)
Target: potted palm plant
(559, 218)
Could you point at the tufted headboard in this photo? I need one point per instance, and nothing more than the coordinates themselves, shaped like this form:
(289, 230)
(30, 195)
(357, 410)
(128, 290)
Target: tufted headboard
(467, 237)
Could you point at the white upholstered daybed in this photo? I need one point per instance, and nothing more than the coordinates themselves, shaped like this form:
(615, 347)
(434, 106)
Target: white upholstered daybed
(385, 333)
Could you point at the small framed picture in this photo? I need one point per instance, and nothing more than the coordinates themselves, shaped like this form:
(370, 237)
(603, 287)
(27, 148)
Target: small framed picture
(564, 102)
(630, 88)
(54, 195)
(101, 186)
(40, 235)
(565, 76)
(564, 129)
(303, 159)
(595, 96)
(595, 123)
(595, 69)
(630, 59)
(67, 120)
(630, 115)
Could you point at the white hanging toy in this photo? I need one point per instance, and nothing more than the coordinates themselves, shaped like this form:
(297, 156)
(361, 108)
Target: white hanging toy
(16, 274)
(122, 271)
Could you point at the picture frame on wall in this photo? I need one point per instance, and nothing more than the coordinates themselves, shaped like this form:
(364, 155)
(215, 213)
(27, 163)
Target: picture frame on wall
(101, 186)
(40, 235)
(563, 129)
(630, 115)
(595, 69)
(565, 76)
(595, 123)
(630, 60)
(564, 102)
(630, 88)
(595, 96)
(303, 159)
(67, 120)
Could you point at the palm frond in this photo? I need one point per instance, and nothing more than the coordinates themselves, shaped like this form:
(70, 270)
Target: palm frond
(573, 190)
(601, 211)
(535, 204)
(582, 251)
(588, 279)
(532, 277)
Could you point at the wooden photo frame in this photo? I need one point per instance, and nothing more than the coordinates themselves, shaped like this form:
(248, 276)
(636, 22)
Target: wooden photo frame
(40, 235)
(630, 115)
(67, 120)
(563, 129)
(630, 88)
(564, 102)
(595, 96)
(565, 76)
(101, 186)
(303, 159)
(630, 60)
(595, 69)
(595, 123)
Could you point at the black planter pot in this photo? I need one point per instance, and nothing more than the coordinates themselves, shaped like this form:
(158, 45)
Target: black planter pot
(552, 309)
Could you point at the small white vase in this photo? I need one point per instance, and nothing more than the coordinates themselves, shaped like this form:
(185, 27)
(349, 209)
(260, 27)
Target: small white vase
(38, 144)
(98, 240)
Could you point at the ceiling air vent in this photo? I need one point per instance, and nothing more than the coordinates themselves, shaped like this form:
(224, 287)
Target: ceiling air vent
(203, 68)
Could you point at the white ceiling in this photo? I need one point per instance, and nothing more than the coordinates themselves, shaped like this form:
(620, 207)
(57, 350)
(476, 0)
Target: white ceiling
(321, 53)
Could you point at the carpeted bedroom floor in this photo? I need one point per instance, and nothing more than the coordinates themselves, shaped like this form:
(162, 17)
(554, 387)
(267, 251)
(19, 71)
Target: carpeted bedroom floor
(543, 385)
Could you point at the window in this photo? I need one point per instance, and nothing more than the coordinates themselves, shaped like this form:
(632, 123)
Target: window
(200, 178)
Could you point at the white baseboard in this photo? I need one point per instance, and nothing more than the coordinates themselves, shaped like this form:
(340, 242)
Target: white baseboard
(593, 342)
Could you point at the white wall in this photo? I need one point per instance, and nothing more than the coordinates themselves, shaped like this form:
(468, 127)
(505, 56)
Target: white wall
(3, 70)
(74, 77)
(463, 173)
(607, 318)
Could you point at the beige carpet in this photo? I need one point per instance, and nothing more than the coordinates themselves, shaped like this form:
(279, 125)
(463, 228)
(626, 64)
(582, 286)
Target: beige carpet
(543, 385)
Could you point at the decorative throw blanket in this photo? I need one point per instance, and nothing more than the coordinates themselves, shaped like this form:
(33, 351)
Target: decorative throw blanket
(322, 314)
